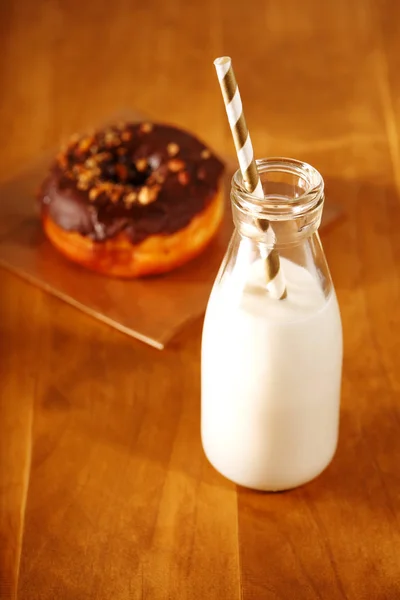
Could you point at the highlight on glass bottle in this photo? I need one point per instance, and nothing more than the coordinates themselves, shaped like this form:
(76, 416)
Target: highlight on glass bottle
(271, 369)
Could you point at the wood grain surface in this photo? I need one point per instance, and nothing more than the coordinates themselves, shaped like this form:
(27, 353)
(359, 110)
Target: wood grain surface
(104, 488)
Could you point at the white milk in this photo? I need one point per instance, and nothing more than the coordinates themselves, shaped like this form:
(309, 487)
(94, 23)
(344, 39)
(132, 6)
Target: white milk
(271, 373)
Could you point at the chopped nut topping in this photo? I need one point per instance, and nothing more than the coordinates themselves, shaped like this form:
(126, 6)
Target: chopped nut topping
(85, 176)
(141, 164)
(205, 153)
(94, 149)
(82, 185)
(85, 144)
(94, 192)
(183, 177)
(111, 138)
(115, 195)
(154, 191)
(144, 196)
(102, 156)
(146, 127)
(159, 177)
(154, 161)
(90, 163)
(148, 194)
(121, 151)
(176, 165)
(101, 188)
(172, 149)
(130, 199)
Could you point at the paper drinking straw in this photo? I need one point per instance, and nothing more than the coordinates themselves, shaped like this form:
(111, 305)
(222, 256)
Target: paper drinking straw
(241, 137)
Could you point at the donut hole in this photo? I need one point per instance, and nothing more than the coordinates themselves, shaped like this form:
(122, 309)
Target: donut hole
(123, 170)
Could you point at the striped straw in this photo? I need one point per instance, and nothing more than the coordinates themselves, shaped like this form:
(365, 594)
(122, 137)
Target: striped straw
(241, 137)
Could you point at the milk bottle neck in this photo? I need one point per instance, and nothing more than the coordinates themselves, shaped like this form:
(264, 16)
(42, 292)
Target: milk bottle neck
(290, 213)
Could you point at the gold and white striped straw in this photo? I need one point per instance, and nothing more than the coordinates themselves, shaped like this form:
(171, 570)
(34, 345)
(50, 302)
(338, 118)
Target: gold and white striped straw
(241, 137)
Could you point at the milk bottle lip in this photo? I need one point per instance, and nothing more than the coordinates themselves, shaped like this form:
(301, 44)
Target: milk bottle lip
(309, 194)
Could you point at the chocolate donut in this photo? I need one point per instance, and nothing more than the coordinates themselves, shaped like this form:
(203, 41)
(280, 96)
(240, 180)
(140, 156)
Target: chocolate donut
(133, 199)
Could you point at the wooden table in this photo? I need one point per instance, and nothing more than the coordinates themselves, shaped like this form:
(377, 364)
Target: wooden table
(104, 489)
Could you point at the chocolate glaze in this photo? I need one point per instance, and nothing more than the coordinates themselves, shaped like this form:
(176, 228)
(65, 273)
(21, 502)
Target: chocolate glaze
(179, 172)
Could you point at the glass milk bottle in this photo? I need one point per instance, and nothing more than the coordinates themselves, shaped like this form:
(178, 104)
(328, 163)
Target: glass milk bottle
(271, 369)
